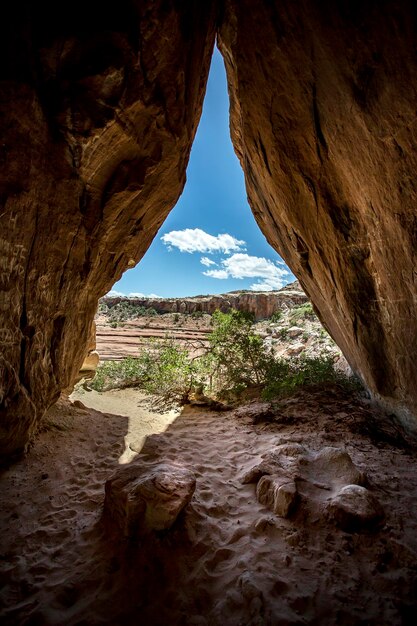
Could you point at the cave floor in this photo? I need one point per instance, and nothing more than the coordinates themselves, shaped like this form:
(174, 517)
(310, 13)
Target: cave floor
(228, 559)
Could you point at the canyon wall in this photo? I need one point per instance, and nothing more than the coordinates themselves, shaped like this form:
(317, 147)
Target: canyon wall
(261, 304)
(323, 119)
(98, 111)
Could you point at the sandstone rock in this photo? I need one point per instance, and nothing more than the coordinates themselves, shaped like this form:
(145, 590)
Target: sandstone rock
(354, 508)
(98, 114)
(90, 364)
(295, 349)
(141, 499)
(328, 476)
(281, 497)
(295, 331)
(262, 305)
(322, 99)
(332, 466)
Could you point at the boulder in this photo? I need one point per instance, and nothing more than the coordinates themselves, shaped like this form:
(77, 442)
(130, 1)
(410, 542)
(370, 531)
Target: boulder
(355, 509)
(295, 331)
(295, 349)
(277, 494)
(141, 498)
(326, 481)
(322, 99)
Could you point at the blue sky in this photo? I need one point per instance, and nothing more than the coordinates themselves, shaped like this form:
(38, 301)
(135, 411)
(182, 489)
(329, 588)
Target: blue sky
(210, 242)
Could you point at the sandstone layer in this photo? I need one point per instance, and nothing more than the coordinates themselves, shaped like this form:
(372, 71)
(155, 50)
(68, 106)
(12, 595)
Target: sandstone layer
(323, 100)
(98, 112)
(261, 304)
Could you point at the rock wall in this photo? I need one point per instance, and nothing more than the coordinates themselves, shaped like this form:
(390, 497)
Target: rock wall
(323, 98)
(98, 111)
(261, 305)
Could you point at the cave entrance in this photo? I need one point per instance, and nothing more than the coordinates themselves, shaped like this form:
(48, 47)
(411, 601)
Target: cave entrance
(209, 244)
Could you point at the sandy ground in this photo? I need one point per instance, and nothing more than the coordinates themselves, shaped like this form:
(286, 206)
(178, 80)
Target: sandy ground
(139, 408)
(228, 560)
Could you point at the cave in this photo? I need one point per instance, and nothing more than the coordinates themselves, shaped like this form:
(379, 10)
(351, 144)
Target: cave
(98, 112)
(98, 117)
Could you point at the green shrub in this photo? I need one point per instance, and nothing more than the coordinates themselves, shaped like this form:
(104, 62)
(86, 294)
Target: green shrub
(164, 369)
(123, 311)
(285, 378)
(237, 355)
(302, 312)
(235, 359)
(275, 317)
(197, 314)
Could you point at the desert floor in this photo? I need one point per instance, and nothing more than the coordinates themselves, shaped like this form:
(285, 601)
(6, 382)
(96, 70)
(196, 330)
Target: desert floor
(228, 559)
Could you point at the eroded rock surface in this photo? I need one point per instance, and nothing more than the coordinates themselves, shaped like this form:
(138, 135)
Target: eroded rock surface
(141, 499)
(262, 305)
(98, 113)
(327, 483)
(323, 100)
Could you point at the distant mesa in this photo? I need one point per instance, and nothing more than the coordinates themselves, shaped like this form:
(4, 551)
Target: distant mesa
(262, 304)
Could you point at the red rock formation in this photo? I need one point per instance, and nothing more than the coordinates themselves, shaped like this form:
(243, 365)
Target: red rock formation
(98, 112)
(261, 305)
(323, 98)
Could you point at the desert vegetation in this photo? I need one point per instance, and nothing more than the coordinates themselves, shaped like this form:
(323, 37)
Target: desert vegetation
(235, 356)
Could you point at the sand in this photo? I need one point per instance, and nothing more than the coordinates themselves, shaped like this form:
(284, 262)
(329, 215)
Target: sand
(228, 559)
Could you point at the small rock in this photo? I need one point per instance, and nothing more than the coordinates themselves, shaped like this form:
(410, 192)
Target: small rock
(141, 499)
(280, 497)
(256, 411)
(248, 588)
(295, 331)
(295, 349)
(355, 508)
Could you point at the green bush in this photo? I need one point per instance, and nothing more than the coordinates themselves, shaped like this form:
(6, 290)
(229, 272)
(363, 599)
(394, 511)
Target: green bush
(236, 355)
(235, 359)
(275, 317)
(123, 311)
(286, 377)
(164, 369)
(302, 312)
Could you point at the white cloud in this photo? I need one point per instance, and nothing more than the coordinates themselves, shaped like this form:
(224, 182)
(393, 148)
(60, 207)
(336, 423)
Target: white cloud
(265, 286)
(115, 294)
(142, 295)
(197, 240)
(241, 265)
(221, 274)
(206, 261)
(119, 294)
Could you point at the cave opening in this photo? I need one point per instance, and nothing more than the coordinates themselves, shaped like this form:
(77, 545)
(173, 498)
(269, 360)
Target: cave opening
(248, 515)
(210, 242)
(209, 254)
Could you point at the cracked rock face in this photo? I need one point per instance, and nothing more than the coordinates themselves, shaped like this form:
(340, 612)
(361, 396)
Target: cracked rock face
(98, 113)
(323, 100)
(98, 116)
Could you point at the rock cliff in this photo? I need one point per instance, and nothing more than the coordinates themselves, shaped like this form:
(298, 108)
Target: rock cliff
(98, 113)
(323, 99)
(261, 304)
